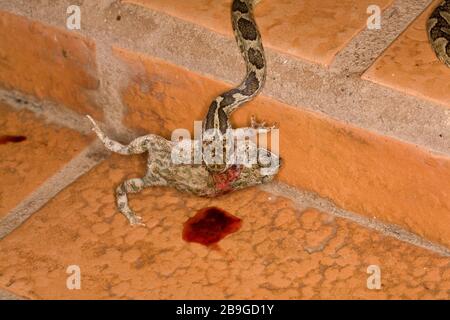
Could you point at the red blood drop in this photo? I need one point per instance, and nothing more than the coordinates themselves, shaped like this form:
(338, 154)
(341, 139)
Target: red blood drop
(210, 225)
(224, 180)
(14, 139)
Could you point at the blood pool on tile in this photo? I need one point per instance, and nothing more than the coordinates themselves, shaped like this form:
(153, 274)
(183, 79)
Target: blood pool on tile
(210, 225)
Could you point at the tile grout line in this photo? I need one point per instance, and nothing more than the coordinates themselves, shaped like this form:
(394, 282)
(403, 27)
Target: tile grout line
(306, 199)
(58, 114)
(51, 111)
(91, 156)
(368, 45)
(7, 295)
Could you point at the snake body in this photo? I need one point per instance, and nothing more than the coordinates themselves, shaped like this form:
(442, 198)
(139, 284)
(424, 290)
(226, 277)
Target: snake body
(249, 41)
(438, 27)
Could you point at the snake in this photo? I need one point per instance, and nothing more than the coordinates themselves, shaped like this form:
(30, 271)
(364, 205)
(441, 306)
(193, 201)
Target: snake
(438, 27)
(249, 41)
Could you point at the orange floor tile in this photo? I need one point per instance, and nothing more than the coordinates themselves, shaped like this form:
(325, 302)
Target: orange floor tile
(309, 29)
(279, 252)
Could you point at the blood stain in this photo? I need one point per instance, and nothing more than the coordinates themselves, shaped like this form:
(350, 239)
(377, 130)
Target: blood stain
(210, 225)
(13, 139)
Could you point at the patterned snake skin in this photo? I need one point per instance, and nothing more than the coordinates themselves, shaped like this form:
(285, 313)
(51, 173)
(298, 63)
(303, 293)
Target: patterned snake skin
(248, 39)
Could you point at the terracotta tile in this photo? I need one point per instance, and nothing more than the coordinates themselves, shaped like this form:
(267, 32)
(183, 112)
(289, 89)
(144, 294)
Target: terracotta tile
(49, 63)
(25, 165)
(301, 28)
(264, 259)
(360, 171)
(410, 65)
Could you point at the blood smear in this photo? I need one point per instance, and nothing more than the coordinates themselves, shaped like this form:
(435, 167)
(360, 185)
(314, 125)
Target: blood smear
(13, 139)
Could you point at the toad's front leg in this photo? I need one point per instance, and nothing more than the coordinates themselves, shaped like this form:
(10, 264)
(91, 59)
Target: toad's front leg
(261, 126)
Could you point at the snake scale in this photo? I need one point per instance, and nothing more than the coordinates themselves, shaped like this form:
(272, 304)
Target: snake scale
(438, 27)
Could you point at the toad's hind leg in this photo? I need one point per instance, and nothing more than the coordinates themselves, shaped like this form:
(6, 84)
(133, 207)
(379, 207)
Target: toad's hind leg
(130, 186)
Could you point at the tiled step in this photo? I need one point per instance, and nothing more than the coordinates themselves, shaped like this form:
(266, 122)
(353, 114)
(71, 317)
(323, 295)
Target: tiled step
(374, 151)
(48, 63)
(283, 250)
(32, 150)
